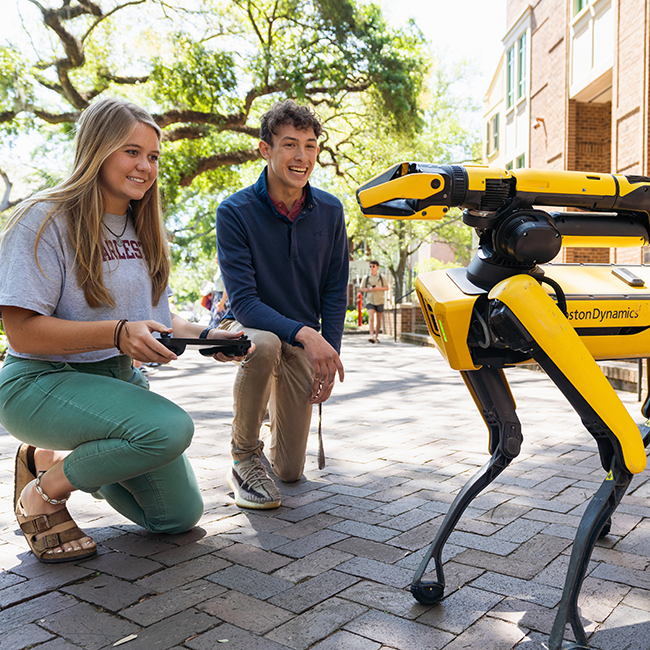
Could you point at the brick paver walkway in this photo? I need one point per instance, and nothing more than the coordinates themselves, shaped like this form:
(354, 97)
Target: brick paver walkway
(330, 569)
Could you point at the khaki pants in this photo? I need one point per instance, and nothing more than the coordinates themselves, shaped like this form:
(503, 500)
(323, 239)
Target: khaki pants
(277, 376)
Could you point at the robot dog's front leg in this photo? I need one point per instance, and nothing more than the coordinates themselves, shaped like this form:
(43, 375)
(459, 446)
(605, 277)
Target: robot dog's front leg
(493, 398)
(525, 318)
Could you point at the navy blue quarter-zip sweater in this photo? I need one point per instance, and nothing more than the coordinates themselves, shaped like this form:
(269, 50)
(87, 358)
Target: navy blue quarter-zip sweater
(279, 275)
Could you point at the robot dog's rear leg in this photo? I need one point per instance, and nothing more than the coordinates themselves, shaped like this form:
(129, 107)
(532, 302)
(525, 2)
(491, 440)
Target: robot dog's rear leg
(598, 512)
(493, 398)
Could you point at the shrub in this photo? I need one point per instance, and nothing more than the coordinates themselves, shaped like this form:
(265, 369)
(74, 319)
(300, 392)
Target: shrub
(352, 317)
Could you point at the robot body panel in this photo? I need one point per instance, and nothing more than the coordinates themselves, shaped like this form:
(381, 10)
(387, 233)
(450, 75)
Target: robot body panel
(593, 241)
(447, 311)
(599, 280)
(553, 188)
(611, 317)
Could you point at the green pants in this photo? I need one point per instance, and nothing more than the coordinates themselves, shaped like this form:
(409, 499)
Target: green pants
(127, 443)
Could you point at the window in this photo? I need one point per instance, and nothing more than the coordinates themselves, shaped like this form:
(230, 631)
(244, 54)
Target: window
(521, 67)
(510, 77)
(495, 132)
(580, 5)
(492, 135)
(517, 70)
(521, 161)
(509, 165)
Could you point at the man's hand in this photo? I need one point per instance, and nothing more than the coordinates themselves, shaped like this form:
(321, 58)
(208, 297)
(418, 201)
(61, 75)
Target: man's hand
(324, 359)
(224, 334)
(184, 329)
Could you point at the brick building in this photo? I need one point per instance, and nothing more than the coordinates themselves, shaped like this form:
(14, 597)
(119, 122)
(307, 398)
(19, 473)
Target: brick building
(572, 92)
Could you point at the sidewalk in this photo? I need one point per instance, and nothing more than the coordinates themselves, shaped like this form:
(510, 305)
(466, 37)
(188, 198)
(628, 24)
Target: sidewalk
(330, 569)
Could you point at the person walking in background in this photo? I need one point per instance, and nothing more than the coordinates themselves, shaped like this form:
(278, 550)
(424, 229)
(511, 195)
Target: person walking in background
(374, 286)
(283, 251)
(220, 302)
(83, 289)
(214, 297)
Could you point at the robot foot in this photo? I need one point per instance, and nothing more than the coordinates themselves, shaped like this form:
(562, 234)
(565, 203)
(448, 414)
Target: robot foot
(428, 592)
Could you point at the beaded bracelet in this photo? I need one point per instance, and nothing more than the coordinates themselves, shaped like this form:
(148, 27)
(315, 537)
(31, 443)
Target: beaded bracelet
(45, 497)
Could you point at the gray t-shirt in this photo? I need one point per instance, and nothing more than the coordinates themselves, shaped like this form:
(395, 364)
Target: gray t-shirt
(53, 290)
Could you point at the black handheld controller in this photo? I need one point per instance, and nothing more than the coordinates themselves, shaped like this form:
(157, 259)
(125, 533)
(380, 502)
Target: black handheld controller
(207, 347)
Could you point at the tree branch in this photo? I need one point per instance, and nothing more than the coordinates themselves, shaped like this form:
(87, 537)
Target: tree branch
(334, 155)
(7, 116)
(190, 238)
(74, 50)
(5, 204)
(71, 44)
(109, 76)
(235, 122)
(185, 133)
(70, 92)
(350, 88)
(220, 160)
(254, 24)
(105, 16)
(54, 118)
(280, 85)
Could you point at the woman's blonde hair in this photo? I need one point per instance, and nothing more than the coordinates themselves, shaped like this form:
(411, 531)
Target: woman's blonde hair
(102, 129)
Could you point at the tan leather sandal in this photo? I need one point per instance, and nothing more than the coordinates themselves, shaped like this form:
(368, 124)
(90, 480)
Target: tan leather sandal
(25, 470)
(44, 533)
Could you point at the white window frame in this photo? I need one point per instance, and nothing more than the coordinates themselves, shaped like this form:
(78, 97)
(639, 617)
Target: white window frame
(522, 58)
(510, 77)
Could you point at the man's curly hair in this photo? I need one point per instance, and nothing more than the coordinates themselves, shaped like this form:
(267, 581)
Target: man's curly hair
(288, 112)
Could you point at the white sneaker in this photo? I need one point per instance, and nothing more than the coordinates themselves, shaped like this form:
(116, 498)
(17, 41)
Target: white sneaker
(252, 486)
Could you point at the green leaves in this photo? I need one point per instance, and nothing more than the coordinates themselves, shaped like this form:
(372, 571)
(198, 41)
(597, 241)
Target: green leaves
(15, 90)
(198, 78)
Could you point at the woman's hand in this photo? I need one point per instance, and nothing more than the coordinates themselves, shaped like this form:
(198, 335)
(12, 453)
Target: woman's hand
(137, 341)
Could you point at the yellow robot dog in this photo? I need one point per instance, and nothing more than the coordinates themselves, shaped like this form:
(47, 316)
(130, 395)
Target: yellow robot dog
(505, 308)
